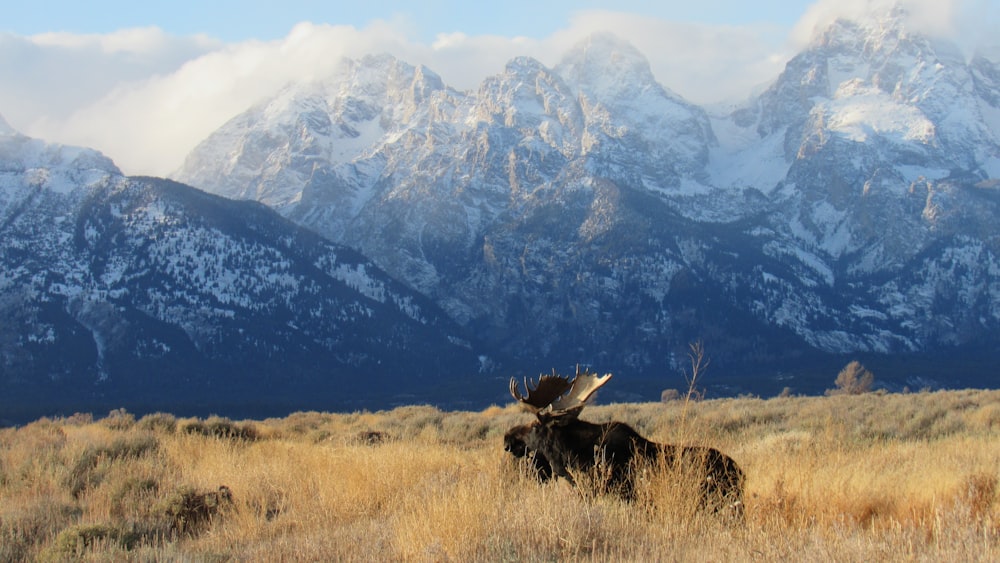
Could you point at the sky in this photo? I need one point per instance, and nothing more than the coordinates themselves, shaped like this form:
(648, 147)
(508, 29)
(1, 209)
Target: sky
(144, 82)
(239, 20)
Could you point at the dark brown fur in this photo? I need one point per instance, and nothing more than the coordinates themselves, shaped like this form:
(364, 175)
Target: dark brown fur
(561, 445)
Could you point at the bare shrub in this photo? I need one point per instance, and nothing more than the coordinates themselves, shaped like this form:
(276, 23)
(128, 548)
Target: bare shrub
(220, 427)
(189, 511)
(370, 438)
(302, 423)
(119, 419)
(854, 379)
(158, 422)
(78, 419)
(75, 541)
(670, 395)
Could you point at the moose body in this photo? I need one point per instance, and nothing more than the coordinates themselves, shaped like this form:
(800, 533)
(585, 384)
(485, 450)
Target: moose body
(559, 450)
(559, 444)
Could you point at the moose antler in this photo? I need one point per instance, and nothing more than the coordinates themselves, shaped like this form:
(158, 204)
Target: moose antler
(549, 392)
(541, 395)
(584, 386)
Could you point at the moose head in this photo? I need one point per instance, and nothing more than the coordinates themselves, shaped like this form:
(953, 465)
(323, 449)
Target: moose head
(556, 440)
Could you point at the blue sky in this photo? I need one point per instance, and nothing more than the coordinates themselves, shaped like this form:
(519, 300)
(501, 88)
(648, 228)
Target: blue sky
(145, 81)
(237, 20)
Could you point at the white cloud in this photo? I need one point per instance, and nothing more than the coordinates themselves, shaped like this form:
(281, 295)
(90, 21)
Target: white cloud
(705, 64)
(53, 75)
(145, 98)
(970, 23)
(148, 41)
(151, 115)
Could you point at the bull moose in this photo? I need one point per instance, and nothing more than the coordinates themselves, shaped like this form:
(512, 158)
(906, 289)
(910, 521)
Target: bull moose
(558, 444)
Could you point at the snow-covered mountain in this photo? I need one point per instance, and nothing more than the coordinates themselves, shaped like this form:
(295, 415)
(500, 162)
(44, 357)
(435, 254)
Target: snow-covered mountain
(893, 146)
(586, 213)
(146, 292)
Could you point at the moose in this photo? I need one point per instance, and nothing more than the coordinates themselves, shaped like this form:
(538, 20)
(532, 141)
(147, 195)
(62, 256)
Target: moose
(559, 444)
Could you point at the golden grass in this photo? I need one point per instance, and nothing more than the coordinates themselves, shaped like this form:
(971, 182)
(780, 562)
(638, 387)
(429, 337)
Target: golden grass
(867, 477)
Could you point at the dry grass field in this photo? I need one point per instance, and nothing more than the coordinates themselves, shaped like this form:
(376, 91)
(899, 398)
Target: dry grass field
(870, 477)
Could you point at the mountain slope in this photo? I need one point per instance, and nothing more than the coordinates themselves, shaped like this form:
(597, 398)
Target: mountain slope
(145, 291)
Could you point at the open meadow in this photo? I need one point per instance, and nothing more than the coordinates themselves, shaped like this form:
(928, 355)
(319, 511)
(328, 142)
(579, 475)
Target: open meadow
(870, 477)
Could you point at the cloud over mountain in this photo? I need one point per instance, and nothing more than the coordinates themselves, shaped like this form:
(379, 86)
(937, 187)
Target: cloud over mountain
(146, 97)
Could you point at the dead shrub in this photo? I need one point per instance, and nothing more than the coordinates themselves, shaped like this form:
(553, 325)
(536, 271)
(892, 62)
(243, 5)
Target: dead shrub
(75, 541)
(670, 395)
(370, 438)
(119, 419)
(78, 419)
(220, 427)
(302, 423)
(854, 379)
(189, 512)
(158, 422)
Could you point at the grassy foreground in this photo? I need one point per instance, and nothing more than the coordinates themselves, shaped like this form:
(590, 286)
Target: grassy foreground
(842, 478)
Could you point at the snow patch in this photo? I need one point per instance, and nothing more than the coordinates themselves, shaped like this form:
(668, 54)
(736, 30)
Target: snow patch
(912, 173)
(356, 277)
(743, 159)
(859, 112)
(867, 313)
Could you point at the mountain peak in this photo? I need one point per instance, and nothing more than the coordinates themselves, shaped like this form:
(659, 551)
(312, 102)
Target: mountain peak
(523, 64)
(606, 63)
(605, 45)
(882, 31)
